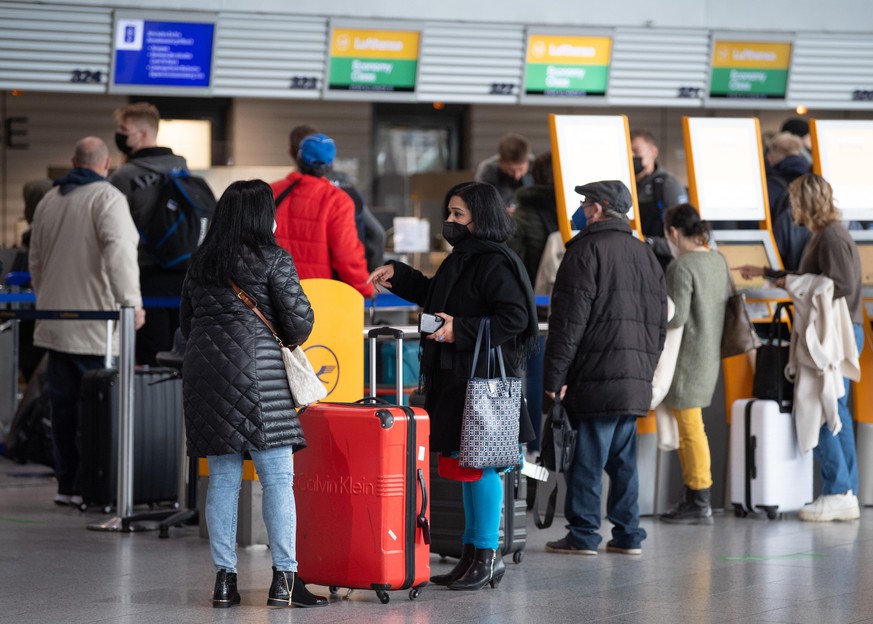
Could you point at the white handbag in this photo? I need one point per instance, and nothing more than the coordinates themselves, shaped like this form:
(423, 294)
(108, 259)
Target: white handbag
(306, 387)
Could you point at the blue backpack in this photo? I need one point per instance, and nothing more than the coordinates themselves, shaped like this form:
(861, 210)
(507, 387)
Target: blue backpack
(178, 220)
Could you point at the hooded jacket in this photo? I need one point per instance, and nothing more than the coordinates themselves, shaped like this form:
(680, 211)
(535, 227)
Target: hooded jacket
(82, 257)
(236, 395)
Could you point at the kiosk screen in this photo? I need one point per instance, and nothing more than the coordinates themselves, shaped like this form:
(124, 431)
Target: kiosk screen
(866, 253)
(746, 252)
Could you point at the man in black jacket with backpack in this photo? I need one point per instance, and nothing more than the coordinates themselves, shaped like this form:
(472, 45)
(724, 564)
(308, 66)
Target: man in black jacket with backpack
(141, 178)
(606, 331)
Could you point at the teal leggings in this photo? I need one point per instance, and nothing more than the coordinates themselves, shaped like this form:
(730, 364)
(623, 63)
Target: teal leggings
(483, 500)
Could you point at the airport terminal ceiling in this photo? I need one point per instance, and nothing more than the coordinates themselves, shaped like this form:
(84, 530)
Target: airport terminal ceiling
(779, 15)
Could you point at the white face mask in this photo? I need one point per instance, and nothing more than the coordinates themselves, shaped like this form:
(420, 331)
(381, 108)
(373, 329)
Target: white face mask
(274, 226)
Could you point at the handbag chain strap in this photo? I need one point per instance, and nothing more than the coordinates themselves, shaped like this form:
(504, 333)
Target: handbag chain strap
(485, 330)
(252, 304)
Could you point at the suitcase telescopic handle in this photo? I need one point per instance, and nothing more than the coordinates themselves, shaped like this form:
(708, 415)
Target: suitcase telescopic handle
(422, 520)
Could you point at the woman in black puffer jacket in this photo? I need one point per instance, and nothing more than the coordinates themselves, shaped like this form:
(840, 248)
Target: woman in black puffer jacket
(236, 396)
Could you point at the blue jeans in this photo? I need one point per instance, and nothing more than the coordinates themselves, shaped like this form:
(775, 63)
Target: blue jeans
(533, 391)
(836, 454)
(275, 468)
(64, 372)
(483, 500)
(604, 444)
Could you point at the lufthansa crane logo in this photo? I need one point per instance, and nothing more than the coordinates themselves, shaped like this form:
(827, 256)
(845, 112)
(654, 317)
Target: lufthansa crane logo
(326, 366)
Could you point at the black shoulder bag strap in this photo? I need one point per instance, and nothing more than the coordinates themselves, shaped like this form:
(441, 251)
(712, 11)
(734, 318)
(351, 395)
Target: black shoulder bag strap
(286, 192)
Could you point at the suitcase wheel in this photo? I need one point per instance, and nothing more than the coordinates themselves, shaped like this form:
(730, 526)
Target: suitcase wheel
(771, 512)
(333, 589)
(518, 556)
(739, 512)
(414, 593)
(384, 598)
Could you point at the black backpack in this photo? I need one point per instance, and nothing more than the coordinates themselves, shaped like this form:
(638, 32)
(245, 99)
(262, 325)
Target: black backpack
(178, 221)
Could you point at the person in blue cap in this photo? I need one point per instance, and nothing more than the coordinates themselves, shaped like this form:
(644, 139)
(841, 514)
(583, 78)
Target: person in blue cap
(315, 220)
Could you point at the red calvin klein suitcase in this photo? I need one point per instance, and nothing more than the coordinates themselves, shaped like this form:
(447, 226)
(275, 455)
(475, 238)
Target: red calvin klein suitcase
(361, 489)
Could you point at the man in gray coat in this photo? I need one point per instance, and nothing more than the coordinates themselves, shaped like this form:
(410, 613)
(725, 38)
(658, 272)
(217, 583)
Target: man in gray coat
(82, 257)
(606, 331)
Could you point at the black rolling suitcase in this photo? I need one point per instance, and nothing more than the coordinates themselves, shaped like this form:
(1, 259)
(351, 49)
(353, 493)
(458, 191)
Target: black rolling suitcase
(157, 412)
(447, 515)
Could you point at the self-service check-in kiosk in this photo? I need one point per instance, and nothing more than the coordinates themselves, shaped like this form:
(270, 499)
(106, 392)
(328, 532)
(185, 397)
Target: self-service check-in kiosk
(842, 153)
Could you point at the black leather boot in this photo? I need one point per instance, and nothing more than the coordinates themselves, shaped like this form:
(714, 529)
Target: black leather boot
(225, 595)
(287, 589)
(467, 554)
(695, 508)
(487, 567)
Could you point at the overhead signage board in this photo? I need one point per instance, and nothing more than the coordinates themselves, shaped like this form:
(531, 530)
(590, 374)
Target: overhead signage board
(842, 152)
(373, 60)
(567, 66)
(162, 54)
(714, 146)
(749, 69)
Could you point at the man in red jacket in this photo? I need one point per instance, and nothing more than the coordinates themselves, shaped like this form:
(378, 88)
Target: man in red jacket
(315, 221)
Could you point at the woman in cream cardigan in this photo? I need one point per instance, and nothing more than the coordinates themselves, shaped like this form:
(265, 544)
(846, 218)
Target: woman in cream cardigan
(830, 252)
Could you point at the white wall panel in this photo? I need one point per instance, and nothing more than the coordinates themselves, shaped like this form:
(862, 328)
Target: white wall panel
(658, 67)
(54, 48)
(260, 55)
(464, 62)
(826, 70)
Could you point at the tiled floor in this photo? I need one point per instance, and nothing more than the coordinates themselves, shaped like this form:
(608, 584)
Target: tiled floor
(741, 570)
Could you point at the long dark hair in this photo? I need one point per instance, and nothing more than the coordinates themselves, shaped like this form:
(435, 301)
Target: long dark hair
(243, 219)
(686, 219)
(490, 217)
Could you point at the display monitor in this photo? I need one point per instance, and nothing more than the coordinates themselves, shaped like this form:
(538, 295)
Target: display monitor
(865, 251)
(741, 253)
(740, 247)
(161, 56)
(843, 150)
(725, 168)
(588, 148)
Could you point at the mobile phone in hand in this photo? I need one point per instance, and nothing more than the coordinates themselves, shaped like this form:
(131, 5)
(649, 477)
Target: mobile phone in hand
(429, 323)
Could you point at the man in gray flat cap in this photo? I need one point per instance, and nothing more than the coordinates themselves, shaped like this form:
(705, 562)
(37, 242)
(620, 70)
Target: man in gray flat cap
(606, 331)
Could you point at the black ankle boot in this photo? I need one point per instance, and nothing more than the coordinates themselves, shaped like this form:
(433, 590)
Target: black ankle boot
(487, 567)
(695, 508)
(287, 589)
(225, 595)
(468, 553)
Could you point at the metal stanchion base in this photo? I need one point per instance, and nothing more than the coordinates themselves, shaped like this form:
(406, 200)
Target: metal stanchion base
(123, 525)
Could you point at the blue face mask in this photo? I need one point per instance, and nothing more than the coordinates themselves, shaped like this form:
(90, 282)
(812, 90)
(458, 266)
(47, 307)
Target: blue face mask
(579, 220)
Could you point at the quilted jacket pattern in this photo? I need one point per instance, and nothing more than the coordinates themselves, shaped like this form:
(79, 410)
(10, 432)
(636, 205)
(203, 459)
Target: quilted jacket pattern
(236, 396)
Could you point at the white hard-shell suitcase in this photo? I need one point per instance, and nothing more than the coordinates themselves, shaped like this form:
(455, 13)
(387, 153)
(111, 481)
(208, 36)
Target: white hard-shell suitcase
(768, 472)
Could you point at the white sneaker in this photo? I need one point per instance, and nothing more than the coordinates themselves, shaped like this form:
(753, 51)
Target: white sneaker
(829, 507)
(66, 499)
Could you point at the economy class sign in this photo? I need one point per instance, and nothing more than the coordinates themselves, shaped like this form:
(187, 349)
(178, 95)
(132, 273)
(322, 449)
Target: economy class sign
(568, 66)
(373, 60)
(749, 69)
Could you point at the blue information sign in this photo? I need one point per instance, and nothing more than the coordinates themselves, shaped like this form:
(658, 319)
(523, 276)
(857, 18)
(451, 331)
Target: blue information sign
(167, 54)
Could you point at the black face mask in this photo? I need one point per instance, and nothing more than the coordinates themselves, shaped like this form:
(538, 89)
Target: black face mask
(121, 144)
(638, 164)
(454, 233)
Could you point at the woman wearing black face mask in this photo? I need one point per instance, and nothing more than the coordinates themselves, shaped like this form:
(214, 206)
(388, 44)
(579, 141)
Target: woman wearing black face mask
(481, 277)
